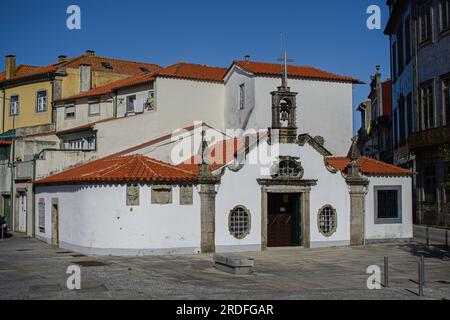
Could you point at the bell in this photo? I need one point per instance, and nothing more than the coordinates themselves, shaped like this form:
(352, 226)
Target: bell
(284, 116)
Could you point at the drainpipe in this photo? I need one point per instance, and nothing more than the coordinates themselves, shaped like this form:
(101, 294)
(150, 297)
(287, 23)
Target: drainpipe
(33, 201)
(115, 104)
(4, 109)
(13, 156)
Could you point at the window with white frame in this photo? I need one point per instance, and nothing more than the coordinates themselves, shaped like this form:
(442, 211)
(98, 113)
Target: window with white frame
(239, 222)
(444, 15)
(388, 204)
(41, 213)
(242, 97)
(41, 101)
(446, 99)
(14, 106)
(327, 220)
(94, 107)
(130, 103)
(426, 22)
(69, 112)
(427, 111)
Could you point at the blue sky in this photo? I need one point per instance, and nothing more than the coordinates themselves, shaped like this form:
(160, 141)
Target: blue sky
(326, 34)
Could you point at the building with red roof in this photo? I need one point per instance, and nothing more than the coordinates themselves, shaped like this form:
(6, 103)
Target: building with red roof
(244, 193)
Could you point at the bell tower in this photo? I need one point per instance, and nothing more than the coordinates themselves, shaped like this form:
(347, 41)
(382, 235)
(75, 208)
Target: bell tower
(284, 109)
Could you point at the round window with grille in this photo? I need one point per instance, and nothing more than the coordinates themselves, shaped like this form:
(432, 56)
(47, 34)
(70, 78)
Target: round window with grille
(239, 222)
(327, 220)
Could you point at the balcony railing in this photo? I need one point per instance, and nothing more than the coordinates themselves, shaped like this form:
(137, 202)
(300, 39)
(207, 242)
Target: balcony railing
(429, 138)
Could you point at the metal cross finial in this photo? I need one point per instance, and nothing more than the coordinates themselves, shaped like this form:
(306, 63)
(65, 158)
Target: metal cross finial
(284, 66)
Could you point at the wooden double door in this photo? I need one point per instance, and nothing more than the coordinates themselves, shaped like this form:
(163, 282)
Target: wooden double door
(284, 220)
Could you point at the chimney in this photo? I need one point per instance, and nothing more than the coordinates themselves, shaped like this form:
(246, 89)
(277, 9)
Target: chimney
(247, 58)
(90, 53)
(10, 66)
(62, 58)
(85, 78)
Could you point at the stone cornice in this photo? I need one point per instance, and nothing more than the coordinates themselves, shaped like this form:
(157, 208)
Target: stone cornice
(287, 182)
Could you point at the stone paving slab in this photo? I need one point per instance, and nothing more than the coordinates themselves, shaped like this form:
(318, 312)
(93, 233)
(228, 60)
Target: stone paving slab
(39, 272)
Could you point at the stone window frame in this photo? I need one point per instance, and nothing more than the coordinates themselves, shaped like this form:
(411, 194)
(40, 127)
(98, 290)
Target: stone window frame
(249, 222)
(129, 106)
(191, 191)
(92, 102)
(241, 96)
(137, 202)
(399, 219)
(159, 188)
(68, 106)
(293, 164)
(41, 215)
(332, 231)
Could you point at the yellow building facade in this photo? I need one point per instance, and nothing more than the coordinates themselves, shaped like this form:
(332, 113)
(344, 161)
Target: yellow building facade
(27, 93)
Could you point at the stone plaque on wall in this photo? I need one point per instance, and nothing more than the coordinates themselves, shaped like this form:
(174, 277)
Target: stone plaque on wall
(132, 195)
(162, 194)
(186, 195)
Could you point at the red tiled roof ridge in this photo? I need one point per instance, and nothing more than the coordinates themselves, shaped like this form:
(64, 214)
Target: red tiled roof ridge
(110, 87)
(144, 158)
(135, 167)
(368, 166)
(293, 71)
(124, 60)
(194, 64)
(75, 58)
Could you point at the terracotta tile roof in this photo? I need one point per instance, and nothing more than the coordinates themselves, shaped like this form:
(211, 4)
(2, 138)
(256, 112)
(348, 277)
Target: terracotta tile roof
(368, 166)
(23, 71)
(131, 168)
(7, 142)
(109, 88)
(223, 152)
(274, 70)
(220, 154)
(185, 70)
(115, 65)
(118, 66)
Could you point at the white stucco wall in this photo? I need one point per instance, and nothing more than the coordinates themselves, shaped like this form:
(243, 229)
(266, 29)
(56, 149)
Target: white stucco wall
(179, 104)
(82, 116)
(324, 108)
(331, 189)
(140, 91)
(95, 219)
(192, 100)
(403, 230)
(241, 188)
(235, 118)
